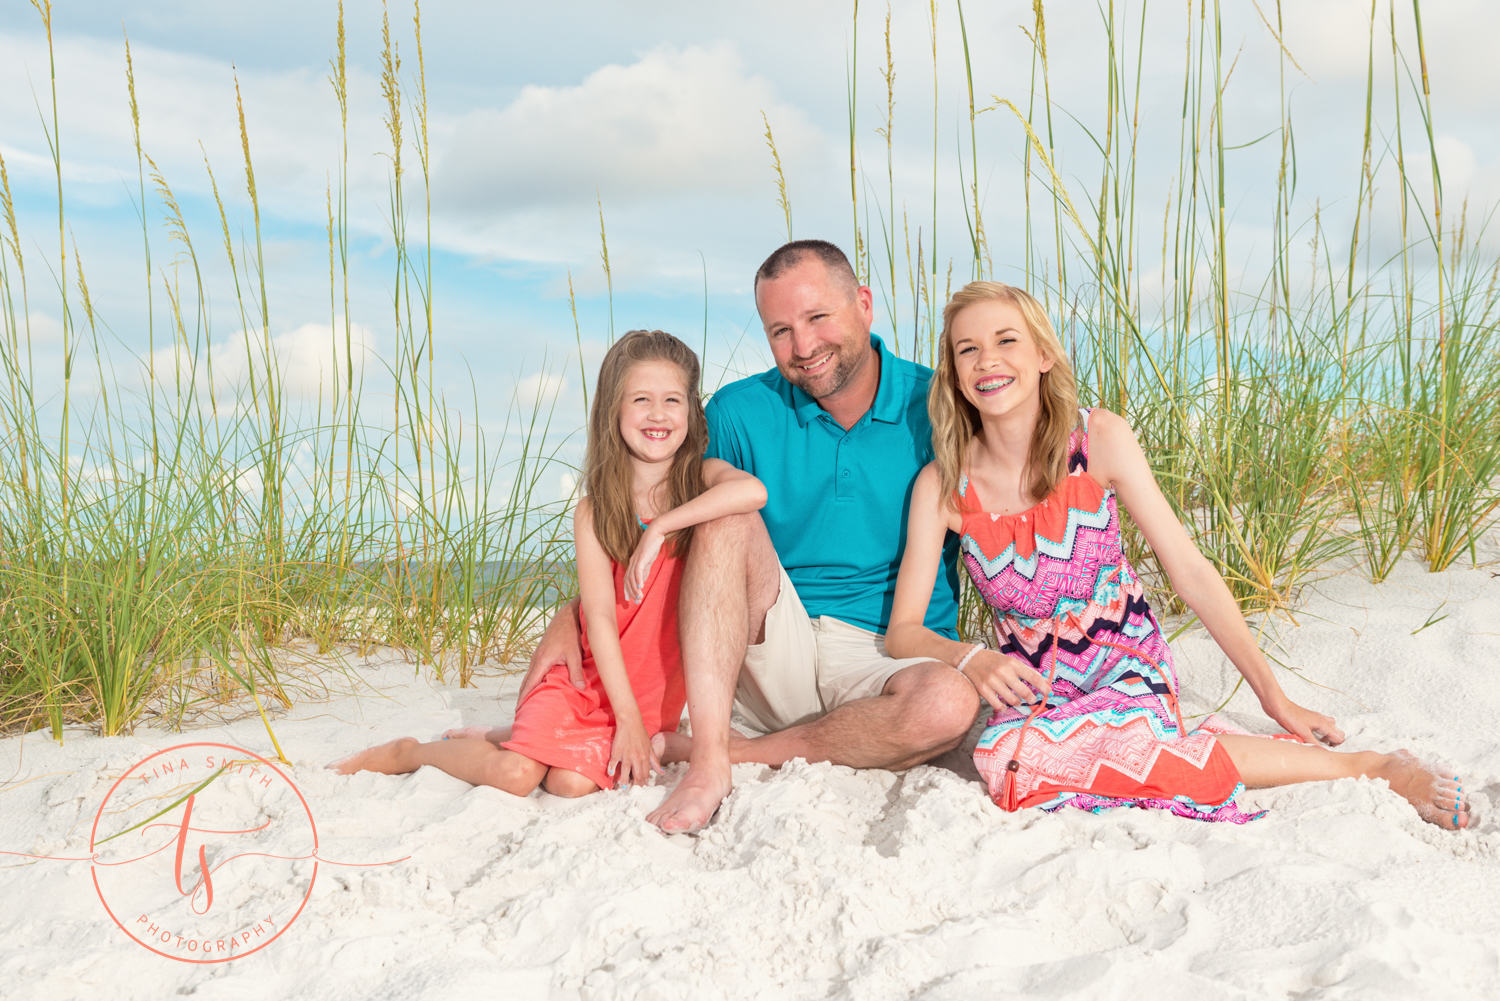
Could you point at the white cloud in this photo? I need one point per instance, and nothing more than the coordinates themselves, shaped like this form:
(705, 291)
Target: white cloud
(541, 388)
(183, 99)
(674, 122)
(1457, 162)
(310, 360)
(247, 479)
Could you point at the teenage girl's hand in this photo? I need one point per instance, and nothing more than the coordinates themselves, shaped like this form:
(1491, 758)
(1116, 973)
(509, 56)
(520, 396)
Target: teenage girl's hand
(1305, 723)
(639, 570)
(1002, 681)
(631, 759)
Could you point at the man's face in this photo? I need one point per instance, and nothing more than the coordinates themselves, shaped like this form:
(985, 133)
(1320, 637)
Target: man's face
(819, 332)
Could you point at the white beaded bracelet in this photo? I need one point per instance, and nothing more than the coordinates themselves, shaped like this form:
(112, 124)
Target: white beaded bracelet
(959, 667)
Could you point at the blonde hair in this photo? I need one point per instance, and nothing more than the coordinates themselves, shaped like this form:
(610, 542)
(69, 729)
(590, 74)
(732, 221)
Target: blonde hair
(955, 421)
(608, 475)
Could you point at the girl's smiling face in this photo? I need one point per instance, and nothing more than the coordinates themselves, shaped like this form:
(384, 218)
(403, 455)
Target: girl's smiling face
(996, 360)
(654, 410)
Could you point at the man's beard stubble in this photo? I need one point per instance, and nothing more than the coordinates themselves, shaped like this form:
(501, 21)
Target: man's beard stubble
(828, 385)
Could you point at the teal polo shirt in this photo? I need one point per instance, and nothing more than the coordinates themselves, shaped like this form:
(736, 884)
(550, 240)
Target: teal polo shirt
(838, 500)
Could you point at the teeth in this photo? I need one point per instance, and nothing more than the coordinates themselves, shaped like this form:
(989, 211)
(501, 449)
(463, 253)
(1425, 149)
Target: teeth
(814, 364)
(655, 434)
(988, 384)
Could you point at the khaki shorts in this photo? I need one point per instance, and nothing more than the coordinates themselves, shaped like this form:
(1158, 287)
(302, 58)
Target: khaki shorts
(808, 667)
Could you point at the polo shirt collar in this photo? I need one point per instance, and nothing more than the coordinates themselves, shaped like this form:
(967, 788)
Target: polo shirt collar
(887, 408)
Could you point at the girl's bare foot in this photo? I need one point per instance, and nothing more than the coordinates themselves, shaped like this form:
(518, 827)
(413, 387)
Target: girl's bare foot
(381, 758)
(671, 746)
(1438, 797)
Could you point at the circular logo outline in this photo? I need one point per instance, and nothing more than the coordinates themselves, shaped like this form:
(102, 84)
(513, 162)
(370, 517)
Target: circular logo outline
(238, 751)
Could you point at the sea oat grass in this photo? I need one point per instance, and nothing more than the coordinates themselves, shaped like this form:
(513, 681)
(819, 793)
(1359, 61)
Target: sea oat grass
(164, 550)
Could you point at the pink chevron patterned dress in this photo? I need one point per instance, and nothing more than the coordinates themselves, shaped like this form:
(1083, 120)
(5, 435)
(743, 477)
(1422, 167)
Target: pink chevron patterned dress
(1066, 601)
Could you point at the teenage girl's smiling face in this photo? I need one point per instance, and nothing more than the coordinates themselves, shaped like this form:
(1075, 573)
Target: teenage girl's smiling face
(996, 360)
(654, 410)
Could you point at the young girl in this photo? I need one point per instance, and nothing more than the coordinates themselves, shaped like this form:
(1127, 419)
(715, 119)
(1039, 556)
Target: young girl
(1082, 685)
(648, 485)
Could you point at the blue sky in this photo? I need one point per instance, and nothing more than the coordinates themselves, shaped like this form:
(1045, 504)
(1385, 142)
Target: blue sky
(541, 112)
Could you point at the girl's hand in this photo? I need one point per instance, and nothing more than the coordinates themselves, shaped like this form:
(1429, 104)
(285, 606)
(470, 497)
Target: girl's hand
(1003, 681)
(1305, 723)
(631, 759)
(639, 570)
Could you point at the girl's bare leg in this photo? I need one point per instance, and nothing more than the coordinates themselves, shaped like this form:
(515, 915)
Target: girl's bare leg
(561, 782)
(1438, 797)
(476, 761)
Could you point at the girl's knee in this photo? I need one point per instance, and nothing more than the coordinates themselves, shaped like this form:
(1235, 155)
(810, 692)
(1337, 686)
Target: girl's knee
(514, 773)
(571, 785)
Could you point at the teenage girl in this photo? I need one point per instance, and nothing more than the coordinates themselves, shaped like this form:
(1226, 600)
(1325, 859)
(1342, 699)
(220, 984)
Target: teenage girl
(1082, 684)
(648, 484)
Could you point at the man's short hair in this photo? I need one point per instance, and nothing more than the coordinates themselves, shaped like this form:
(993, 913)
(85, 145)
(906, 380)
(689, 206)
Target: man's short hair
(790, 255)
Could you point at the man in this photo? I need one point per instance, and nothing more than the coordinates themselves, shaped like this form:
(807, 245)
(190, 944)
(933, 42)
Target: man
(782, 612)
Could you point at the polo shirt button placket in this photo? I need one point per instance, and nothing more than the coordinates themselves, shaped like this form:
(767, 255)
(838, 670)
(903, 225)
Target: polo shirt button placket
(843, 470)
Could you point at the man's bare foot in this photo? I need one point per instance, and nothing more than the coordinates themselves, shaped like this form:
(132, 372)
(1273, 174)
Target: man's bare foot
(694, 802)
(1438, 797)
(381, 758)
(671, 747)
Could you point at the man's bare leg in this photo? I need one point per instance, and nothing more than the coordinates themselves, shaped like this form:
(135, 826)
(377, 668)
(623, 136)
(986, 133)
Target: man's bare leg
(671, 747)
(925, 710)
(730, 581)
(1437, 796)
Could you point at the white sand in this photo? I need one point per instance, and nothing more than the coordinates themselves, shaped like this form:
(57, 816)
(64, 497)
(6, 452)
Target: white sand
(817, 881)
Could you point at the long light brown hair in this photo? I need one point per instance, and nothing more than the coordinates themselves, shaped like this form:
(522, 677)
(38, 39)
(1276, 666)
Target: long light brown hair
(955, 421)
(608, 474)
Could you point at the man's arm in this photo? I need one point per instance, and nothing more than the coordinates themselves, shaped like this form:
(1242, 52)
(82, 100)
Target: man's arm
(723, 441)
(560, 644)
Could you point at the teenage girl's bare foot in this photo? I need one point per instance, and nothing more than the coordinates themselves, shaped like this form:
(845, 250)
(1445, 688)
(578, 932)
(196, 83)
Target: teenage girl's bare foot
(695, 800)
(1438, 797)
(381, 758)
(670, 747)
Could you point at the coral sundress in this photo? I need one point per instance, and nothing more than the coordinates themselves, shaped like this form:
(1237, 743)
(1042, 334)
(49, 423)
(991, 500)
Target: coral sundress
(563, 727)
(1066, 601)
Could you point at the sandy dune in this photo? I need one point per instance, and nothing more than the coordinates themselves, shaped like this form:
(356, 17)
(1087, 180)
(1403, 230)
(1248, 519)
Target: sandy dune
(817, 881)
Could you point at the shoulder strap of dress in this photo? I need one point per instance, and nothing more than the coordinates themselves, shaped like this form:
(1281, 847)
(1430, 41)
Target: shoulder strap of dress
(1078, 442)
(962, 497)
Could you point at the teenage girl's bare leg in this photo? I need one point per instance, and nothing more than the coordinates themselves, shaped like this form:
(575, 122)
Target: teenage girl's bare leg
(1437, 796)
(729, 583)
(476, 761)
